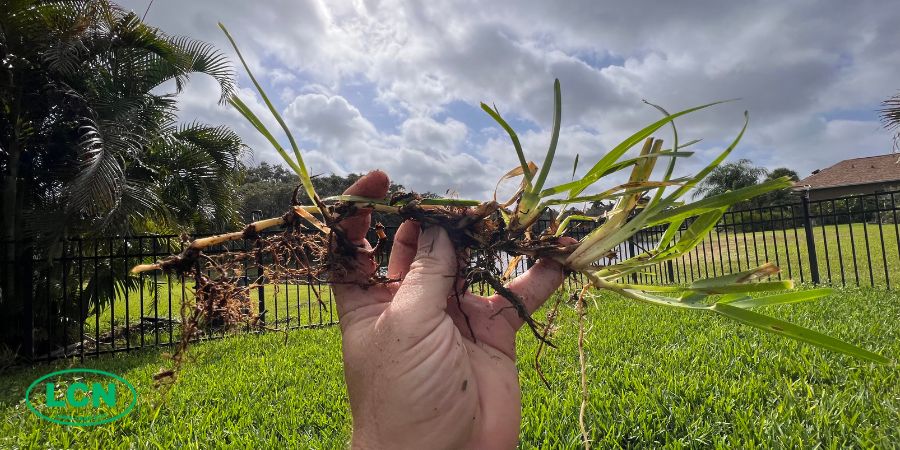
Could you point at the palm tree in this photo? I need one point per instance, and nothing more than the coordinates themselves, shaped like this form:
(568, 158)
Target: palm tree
(89, 145)
(730, 176)
(890, 117)
(103, 126)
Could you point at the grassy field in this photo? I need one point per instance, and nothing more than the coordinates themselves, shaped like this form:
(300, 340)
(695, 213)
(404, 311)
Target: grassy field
(658, 377)
(855, 247)
(285, 305)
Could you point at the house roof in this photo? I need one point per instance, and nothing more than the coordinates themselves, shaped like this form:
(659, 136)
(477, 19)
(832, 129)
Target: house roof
(867, 170)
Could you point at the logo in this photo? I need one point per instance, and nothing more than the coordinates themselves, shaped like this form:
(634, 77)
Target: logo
(81, 397)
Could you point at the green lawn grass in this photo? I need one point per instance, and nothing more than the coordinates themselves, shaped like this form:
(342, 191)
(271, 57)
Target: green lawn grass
(658, 377)
(285, 306)
(857, 247)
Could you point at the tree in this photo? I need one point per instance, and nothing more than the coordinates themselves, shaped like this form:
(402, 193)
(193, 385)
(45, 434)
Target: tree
(783, 172)
(780, 197)
(728, 177)
(89, 145)
(267, 189)
(88, 141)
(890, 116)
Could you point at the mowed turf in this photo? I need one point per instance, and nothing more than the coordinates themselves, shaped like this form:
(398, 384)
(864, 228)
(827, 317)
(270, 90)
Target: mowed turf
(658, 377)
(288, 305)
(847, 254)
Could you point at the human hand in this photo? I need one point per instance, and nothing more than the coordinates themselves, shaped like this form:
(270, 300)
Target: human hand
(416, 376)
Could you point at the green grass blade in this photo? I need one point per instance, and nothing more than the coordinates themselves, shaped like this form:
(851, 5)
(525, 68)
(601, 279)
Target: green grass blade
(781, 299)
(618, 191)
(764, 271)
(356, 199)
(582, 183)
(515, 140)
(696, 231)
(797, 332)
(671, 166)
(689, 239)
(554, 138)
(658, 299)
(575, 166)
(577, 217)
(730, 298)
(245, 111)
(715, 163)
(746, 287)
(723, 200)
(303, 173)
(669, 235)
(449, 202)
(632, 140)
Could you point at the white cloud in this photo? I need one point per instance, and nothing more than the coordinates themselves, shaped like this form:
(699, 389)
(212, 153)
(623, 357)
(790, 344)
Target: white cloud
(329, 120)
(810, 73)
(425, 133)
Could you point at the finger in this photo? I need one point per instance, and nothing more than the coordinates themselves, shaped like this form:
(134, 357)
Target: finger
(422, 297)
(533, 287)
(348, 294)
(373, 185)
(404, 249)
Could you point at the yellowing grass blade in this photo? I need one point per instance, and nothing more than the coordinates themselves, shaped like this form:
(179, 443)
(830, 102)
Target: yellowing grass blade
(515, 172)
(581, 184)
(302, 212)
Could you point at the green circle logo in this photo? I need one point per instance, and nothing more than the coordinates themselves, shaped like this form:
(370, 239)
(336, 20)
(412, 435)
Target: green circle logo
(81, 397)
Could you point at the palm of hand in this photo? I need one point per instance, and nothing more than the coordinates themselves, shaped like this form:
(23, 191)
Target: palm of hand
(416, 376)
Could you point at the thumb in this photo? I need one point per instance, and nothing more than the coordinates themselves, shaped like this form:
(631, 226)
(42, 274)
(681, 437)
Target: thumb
(422, 295)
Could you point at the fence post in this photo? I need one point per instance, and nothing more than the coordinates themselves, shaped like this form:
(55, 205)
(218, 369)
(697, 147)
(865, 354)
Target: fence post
(810, 242)
(261, 293)
(25, 291)
(632, 252)
(671, 269)
(261, 289)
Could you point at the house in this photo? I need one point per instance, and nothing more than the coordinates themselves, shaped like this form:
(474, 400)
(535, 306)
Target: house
(855, 176)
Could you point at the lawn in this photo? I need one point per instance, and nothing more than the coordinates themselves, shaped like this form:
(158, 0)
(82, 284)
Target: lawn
(848, 254)
(285, 306)
(657, 377)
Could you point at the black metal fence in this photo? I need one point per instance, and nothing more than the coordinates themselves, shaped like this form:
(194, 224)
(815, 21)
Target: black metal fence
(847, 241)
(84, 304)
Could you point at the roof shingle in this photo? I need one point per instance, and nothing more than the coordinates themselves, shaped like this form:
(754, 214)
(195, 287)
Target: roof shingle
(866, 170)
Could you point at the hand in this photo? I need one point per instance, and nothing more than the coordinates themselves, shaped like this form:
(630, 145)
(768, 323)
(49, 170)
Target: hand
(416, 376)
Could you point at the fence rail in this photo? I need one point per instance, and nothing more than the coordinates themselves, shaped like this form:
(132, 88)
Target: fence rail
(81, 307)
(84, 303)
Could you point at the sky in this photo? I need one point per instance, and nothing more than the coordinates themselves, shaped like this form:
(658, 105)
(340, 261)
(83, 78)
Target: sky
(396, 85)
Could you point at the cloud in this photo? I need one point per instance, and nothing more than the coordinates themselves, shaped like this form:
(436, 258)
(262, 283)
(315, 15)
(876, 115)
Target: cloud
(329, 120)
(811, 75)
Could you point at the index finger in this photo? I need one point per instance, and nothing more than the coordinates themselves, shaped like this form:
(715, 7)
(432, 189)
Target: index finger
(348, 295)
(372, 185)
